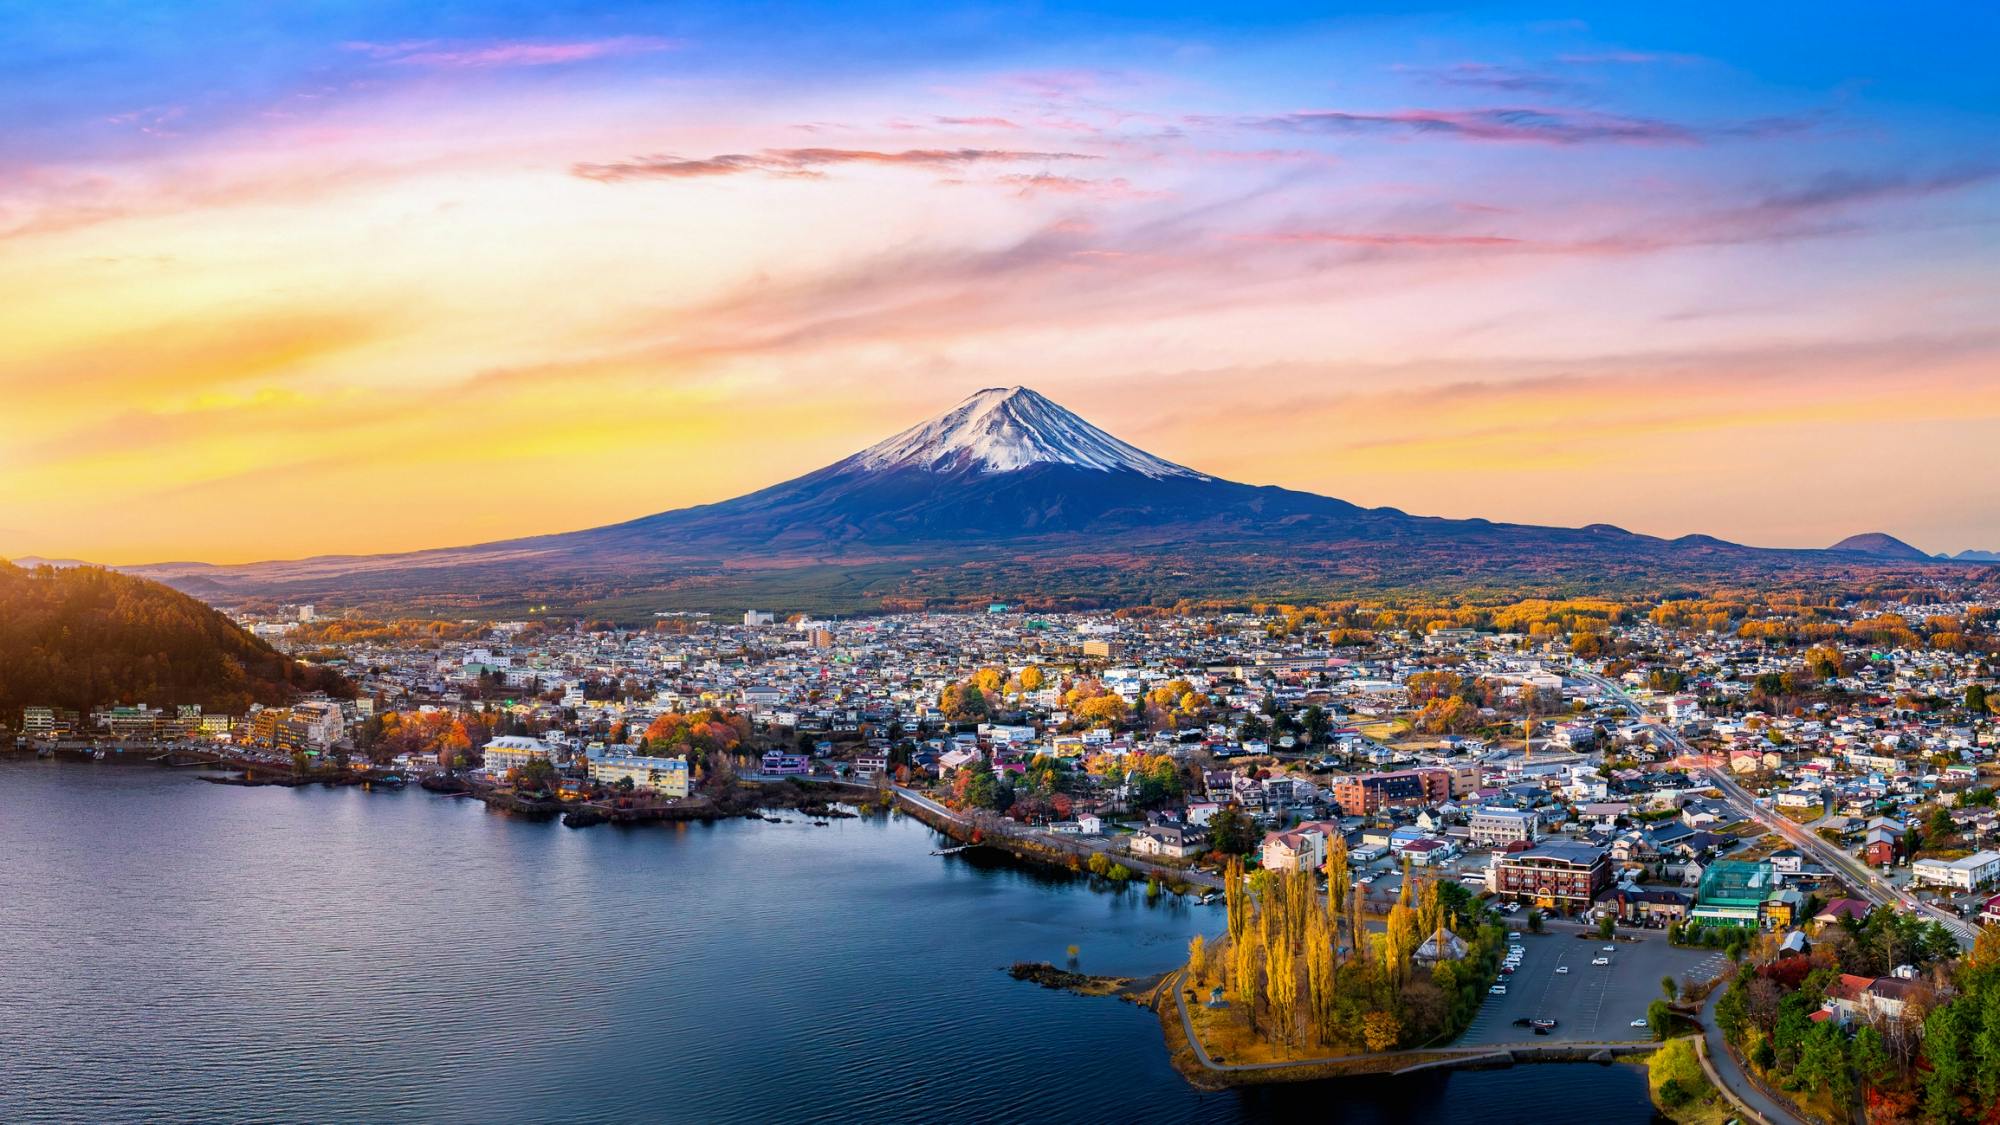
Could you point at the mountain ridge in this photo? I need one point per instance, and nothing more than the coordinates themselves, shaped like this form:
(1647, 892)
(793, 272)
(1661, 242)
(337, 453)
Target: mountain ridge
(1009, 495)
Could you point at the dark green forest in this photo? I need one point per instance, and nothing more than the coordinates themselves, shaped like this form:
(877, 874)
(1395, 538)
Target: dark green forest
(82, 637)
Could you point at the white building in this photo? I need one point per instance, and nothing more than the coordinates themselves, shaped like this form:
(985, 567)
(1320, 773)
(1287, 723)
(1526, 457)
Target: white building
(1974, 870)
(513, 751)
(665, 776)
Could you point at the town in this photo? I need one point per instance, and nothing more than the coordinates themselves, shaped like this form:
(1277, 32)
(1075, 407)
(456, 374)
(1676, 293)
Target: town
(1734, 779)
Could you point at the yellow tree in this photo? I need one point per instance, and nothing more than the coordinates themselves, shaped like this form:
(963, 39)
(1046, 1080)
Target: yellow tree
(1299, 895)
(1357, 928)
(1281, 986)
(1400, 939)
(1197, 962)
(1234, 900)
(1031, 678)
(1243, 972)
(1322, 974)
(1430, 908)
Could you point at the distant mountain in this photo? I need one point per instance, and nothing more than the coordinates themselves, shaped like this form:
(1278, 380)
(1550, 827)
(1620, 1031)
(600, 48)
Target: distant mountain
(1006, 496)
(1975, 556)
(80, 637)
(1880, 545)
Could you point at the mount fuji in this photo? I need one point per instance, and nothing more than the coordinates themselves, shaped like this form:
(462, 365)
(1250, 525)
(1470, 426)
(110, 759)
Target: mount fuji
(1007, 496)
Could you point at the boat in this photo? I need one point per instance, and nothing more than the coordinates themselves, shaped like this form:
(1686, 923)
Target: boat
(97, 755)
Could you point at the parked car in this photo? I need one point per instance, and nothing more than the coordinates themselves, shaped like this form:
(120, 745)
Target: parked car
(1600, 960)
(1498, 990)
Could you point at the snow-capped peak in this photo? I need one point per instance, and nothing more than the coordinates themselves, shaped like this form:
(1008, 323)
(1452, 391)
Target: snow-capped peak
(1001, 429)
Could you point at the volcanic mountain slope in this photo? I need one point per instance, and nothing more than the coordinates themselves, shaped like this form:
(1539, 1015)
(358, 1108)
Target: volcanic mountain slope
(1881, 545)
(1006, 495)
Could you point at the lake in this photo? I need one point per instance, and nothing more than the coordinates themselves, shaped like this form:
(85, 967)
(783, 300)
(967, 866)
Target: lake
(173, 950)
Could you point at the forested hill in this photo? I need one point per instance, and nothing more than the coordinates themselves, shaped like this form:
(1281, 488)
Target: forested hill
(82, 637)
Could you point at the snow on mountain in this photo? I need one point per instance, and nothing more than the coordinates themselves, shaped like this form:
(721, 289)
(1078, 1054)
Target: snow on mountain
(1002, 429)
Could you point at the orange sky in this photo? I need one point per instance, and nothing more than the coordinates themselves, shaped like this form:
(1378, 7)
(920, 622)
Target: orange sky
(422, 296)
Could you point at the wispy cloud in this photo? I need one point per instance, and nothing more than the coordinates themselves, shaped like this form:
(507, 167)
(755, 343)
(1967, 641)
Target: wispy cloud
(1489, 76)
(1629, 58)
(1389, 239)
(1843, 188)
(1533, 125)
(978, 122)
(807, 162)
(446, 55)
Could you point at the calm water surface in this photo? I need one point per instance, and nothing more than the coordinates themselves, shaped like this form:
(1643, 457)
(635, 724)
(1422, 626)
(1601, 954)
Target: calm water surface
(173, 950)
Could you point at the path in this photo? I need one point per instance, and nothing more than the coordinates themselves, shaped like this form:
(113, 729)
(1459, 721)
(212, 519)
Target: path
(1729, 1077)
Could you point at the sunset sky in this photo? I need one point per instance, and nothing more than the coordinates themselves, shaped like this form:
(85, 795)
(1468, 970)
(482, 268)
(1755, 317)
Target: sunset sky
(381, 276)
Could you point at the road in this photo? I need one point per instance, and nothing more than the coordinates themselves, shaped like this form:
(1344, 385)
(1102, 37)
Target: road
(1871, 886)
(1730, 1077)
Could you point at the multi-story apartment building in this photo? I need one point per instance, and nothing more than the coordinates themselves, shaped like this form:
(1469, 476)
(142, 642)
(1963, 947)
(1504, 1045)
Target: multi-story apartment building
(1558, 875)
(665, 776)
(1495, 827)
(1368, 793)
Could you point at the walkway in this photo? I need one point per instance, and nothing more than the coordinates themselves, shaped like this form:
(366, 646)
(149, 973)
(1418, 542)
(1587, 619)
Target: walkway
(1729, 1077)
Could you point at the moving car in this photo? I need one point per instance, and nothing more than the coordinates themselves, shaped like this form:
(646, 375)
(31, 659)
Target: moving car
(1600, 960)
(1562, 968)
(1639, 1023)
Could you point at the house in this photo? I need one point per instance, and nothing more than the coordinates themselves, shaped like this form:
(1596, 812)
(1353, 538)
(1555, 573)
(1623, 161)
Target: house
(1301, 847)
(1090, 824)
(1650, 907)
(1854, 999)
(1881, 847)
(1841, 909)
(1428, 852)
(1171, 841)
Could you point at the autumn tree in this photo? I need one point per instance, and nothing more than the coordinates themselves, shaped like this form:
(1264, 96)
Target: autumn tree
(1380, 1031)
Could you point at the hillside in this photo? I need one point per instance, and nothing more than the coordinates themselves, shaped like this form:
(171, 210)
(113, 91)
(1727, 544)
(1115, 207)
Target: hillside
(1880, 545)
(80, 637)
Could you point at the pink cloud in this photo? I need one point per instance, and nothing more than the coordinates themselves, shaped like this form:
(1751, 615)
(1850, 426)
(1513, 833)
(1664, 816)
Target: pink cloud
(805, 162)
(978, 122)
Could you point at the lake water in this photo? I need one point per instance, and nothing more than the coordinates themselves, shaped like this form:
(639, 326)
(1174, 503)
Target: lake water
(173, 950)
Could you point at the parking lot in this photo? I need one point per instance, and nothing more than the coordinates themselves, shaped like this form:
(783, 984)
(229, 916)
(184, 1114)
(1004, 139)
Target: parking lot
(1591, 1003)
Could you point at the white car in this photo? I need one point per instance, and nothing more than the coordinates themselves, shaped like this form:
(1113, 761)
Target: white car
(1600, 960)
(1610, 949)
(1640, 1023)
(1498, 990)
(1562, 968)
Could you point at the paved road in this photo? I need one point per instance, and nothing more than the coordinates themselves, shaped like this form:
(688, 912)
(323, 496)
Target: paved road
(1735, 1083)
(1871, 886)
